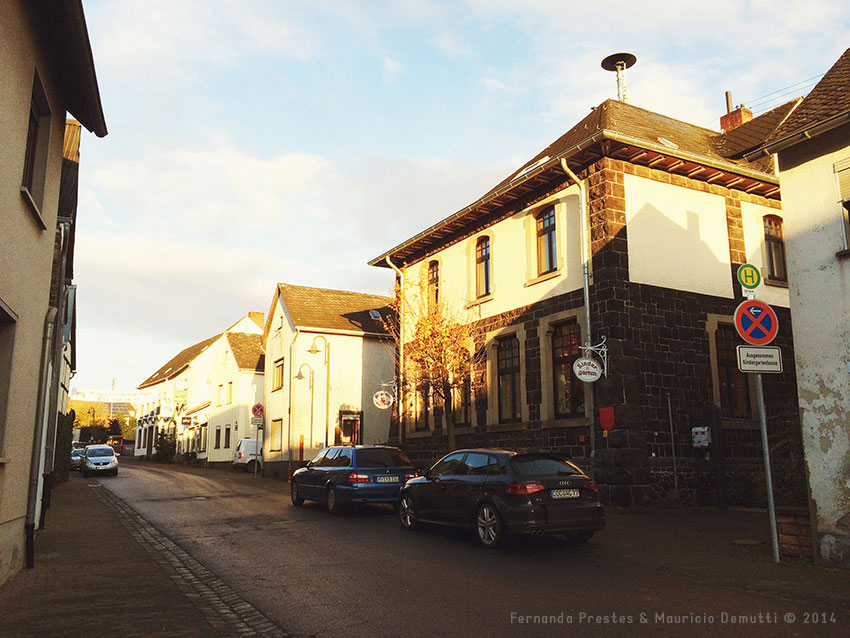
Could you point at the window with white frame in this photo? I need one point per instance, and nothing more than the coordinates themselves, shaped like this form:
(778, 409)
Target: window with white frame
(35, 158)
(482, 267)
(277, 435)
(774, 247)
(842, 174)
(277, 380)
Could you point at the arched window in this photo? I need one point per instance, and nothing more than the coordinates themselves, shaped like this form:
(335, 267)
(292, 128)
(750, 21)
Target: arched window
(433, 285)
(547, 257)
(774, 244)
(482, 267)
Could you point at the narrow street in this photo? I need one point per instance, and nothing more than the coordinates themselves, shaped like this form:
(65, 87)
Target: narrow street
(704, 572)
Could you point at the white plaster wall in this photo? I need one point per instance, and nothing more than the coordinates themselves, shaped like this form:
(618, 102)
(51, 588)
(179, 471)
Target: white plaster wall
(820, 309)
(677, 237)
(277, 402)
(753, 217)
(378, 368)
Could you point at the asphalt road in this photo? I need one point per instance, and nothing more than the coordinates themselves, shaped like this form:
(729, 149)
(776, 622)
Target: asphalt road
(360, 574)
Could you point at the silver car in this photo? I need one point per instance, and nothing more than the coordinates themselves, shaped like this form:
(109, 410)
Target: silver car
(76, 458)
(99, 459)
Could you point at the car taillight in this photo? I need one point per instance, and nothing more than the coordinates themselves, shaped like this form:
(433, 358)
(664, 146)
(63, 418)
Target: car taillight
(524, 488)
(354, 477)
(407, 477)
(592, 486)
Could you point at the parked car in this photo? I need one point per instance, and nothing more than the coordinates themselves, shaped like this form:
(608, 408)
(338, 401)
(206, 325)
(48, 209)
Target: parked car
(76, 458)
(352, 474)
(248, 455)
(501, 492)
(99, 459)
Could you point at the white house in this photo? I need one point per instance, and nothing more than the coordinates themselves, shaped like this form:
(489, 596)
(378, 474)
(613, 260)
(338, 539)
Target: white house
(814, 163)
(327, 354)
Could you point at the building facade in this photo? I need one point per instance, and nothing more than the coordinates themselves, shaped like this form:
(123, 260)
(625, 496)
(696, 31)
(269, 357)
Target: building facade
(48, 71)
(327, 354)
(667, 212)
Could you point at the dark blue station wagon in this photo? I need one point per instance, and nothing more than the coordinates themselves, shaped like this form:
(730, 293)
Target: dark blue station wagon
(352, 474)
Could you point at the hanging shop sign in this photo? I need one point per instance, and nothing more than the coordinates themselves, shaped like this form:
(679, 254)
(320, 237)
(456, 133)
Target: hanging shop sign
(587, 369)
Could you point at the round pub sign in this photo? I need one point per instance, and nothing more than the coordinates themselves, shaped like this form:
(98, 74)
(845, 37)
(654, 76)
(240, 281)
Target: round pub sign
(587, 369)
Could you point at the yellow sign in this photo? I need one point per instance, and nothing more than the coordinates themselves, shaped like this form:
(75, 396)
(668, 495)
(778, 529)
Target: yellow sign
(749, 276)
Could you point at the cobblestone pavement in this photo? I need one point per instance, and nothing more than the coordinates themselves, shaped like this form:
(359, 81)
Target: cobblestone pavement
(100, 568)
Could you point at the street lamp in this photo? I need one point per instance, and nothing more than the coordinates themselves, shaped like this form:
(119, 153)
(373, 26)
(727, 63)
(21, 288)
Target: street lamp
(300, 376)
(315, 350)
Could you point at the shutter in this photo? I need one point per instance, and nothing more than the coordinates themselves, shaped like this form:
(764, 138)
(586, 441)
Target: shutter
(842, 171)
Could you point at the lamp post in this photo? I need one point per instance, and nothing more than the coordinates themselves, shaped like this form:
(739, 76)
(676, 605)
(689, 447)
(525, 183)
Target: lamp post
(300, 376)
(314, 350)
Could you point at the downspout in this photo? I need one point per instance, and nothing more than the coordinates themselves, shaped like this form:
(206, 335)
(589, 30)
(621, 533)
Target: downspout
(400, 397)
(585, 261)
(58, 347)
(289, 402)
(35, 459)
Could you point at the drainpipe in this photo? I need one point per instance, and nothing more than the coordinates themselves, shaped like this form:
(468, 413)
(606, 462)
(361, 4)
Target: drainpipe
(400, 394)
(35, 460)
(289, 407)
(56, 377)
(585, 261)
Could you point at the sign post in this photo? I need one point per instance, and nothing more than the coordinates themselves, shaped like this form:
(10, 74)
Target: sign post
(757, 324)
(258, 413)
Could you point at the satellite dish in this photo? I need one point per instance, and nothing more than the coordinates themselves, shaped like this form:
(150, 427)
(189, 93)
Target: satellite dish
(612, 62)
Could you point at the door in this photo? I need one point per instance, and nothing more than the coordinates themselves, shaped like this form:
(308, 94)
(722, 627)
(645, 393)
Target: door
(349, 431)
(436, 494)
(308, 480)
(469, 486)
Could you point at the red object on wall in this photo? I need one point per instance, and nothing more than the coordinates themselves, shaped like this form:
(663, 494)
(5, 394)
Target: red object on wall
(606, 418)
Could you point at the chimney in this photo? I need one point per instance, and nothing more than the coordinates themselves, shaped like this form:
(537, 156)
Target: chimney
(734, 119)
(257, 318)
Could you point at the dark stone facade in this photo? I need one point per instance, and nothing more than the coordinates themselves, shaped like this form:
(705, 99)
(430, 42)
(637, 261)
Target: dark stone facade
(658, 347)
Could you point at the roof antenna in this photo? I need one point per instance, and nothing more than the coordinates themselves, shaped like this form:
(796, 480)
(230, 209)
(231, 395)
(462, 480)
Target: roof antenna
(619, 62)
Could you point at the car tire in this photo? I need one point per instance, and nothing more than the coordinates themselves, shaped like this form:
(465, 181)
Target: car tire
(294, 496)
(580, 537)
(249, 467)
(406, 508)
(334, 506)
(488, 526)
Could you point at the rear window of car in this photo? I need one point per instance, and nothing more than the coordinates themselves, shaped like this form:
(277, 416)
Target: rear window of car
(77, 452)
(100, 451)
(527, 465)
(381, 457)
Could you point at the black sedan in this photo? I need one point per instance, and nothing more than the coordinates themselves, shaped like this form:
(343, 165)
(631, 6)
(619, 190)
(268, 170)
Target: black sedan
(500, 492)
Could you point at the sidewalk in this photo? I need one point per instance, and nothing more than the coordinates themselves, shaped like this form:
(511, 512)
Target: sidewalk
(101, 570)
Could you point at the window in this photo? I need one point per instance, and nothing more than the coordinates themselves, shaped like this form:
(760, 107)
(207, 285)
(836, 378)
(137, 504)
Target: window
(734, 386)
(482, 267)
(227, 435)
(461, 403)
(433, 286)
(8, 323)
(229, 392)
(475, 464)
(547, 258)
(204, 438)
(343, 459)
(35, 159)
(277, 380)
(569, 390)
(508, 373)
(774, 243)
(218, 395)
(421, 413)
(449, 465)
(842, 173)
(277, 435)
(217, 437)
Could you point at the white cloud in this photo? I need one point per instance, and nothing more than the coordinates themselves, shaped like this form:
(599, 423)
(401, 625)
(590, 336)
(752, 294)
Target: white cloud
(390, 68)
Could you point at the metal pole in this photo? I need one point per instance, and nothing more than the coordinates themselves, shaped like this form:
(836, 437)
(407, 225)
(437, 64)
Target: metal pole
(672, 445)
(771, 510)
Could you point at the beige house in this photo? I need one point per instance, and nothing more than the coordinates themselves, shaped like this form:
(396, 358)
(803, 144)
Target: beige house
(660, 213)
(814, 168)
(48, 71)
(327, 354)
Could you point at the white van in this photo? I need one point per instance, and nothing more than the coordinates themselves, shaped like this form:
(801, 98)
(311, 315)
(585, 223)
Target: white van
(248, 453)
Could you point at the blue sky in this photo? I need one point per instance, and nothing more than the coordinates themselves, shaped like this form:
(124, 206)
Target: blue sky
(261, 141)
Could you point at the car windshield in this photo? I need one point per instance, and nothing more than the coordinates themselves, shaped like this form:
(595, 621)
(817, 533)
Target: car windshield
(528, 465)
(76, 452)
(381, 457)
(100, 451)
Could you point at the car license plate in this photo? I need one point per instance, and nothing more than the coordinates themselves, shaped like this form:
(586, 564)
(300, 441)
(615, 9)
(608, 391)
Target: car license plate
(573, 493)
(386, 479)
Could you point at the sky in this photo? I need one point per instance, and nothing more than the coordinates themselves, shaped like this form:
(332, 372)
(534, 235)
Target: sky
(267, 141)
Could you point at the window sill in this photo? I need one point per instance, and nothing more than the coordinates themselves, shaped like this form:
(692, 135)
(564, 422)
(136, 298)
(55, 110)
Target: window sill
(843, 254)
(577, 422)
(479, 301)
(419, 434)
(5, 459)
(541, 278)
(777, 283)
(34, 209)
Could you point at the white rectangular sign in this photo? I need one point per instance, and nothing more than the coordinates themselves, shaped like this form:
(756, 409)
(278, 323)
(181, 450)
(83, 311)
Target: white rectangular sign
(766, 359)
(256, 420)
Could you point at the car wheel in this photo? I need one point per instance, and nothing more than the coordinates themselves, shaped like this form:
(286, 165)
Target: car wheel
(333, 505)
(489, 526)
(249, 468)
(581, 537)
(297, 499)
(407, 512)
